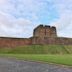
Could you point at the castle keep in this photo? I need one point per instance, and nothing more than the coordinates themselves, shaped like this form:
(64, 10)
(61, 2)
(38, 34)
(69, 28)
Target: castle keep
(44, 31)
(48, 35)
(42, 35)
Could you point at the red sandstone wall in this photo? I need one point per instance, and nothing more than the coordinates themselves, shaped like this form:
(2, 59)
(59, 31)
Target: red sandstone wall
(44, 31)
(12, 42)
(51, 40)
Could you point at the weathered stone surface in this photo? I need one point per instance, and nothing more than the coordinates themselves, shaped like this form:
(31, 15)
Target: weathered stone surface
(13, 42)
(45, 31)
(48, 35)
(41, 35)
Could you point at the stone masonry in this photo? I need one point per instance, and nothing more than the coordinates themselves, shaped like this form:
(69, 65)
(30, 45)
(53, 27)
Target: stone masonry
(48, 35)
(44, 31)
(42, 35)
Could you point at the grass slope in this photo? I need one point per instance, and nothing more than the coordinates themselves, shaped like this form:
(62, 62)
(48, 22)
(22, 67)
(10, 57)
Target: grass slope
(59, 54)
(39, 49)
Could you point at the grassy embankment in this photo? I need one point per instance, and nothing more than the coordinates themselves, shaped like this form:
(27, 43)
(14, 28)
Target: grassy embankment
(46, 53)
(38, 49)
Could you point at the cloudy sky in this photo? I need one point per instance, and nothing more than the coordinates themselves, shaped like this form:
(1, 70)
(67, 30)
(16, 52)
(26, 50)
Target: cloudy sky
(18, 18)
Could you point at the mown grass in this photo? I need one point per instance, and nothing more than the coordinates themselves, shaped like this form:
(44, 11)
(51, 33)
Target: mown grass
(57, 59)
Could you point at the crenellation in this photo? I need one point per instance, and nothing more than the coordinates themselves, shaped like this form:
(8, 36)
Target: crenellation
(46, 26)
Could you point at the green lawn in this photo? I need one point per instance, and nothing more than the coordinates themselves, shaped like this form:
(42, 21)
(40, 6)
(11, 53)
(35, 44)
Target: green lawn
(57, 59)
(59, 54)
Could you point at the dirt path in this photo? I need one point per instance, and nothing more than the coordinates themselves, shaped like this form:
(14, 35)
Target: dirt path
(13, 65)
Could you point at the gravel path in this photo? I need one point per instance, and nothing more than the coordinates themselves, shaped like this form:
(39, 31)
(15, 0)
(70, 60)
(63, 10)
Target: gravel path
(14, 65)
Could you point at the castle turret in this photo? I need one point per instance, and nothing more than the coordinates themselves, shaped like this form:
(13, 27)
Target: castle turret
(39, 31)
(53, 32)
(47, 31)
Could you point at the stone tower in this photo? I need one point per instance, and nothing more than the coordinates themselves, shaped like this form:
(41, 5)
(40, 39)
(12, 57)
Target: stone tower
(45, 31)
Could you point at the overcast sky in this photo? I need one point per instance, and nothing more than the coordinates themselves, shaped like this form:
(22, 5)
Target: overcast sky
(18, 18)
